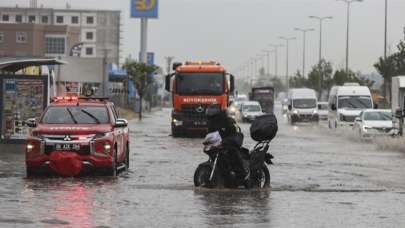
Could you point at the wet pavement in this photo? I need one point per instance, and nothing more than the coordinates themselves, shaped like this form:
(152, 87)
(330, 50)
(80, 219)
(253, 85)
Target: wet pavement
(321, 178)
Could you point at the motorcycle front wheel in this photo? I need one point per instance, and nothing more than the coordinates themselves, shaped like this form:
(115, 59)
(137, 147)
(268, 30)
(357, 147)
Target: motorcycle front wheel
(260, 178)
(202, 176)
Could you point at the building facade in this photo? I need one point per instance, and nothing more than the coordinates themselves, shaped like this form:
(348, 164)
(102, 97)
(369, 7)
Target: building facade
(88, 33)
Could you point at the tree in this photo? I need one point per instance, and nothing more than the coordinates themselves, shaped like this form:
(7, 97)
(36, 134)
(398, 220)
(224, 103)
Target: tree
(391, 66)
(320, 77)
(298, 81)
(140, 74)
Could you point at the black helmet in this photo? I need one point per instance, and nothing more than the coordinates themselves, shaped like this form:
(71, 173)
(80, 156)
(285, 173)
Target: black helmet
(213, 110)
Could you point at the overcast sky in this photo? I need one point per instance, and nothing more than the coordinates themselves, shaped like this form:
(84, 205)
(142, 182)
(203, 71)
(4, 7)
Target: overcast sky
(232, 31)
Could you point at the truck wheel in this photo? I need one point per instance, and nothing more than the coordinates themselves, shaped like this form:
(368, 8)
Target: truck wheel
(31, 173)
(176, 132)
(112, 171)
(127, 158)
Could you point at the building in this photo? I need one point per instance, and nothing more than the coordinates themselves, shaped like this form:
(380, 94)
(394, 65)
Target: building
(24, 31)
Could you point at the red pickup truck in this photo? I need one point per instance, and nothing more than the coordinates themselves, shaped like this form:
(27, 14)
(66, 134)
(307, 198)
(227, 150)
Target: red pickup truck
(75, 136)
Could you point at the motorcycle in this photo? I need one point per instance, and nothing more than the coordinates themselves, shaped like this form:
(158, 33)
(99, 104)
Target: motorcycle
(218, 171)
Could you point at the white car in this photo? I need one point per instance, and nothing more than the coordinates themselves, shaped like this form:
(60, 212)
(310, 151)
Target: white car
(323, 110)
(249, 110)
(374, 122)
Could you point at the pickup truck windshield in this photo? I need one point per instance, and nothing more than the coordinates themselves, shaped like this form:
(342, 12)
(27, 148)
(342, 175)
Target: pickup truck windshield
(304, 103)
(355, 102)
(200, 83)
(76, 115)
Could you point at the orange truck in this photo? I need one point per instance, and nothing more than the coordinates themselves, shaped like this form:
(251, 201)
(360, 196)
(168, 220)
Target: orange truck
(195, 86)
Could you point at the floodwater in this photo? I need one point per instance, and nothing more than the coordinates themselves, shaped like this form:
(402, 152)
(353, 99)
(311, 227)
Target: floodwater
(321, 178)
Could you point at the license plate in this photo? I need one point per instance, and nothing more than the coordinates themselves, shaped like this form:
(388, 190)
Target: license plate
(67, 147)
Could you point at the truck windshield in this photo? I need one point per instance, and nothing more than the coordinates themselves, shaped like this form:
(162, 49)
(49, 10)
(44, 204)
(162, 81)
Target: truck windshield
(200, 83)
(76, 115)
(355, 102)
(304, 103)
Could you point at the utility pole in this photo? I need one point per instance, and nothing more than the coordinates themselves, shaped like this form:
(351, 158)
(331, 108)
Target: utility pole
(267, 52)
(304, 32)
(276, 57)
(169, 60)
(287, 40)
(349, 3)
(320, 19)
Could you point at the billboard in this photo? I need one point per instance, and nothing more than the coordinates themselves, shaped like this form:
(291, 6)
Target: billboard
(144, 8)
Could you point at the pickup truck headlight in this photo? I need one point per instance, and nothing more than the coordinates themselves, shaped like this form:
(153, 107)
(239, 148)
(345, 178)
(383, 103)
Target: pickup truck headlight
(30, 147)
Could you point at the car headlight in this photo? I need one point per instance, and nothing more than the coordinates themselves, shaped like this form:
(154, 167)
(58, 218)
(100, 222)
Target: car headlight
(233, 109)
(295, 111)
(315, 111)
(365, 128)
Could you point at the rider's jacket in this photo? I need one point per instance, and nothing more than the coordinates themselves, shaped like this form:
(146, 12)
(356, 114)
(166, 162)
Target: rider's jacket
(229, 130)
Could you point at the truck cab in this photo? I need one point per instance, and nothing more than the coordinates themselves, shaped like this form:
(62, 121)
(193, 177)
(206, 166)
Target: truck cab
(398, 102)
(195, 86)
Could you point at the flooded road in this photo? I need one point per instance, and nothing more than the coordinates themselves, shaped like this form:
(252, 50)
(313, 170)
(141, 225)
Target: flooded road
(321, 178)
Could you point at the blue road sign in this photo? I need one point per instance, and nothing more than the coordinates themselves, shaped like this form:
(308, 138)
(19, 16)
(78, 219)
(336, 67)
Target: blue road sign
(150, 60)
(144, 8)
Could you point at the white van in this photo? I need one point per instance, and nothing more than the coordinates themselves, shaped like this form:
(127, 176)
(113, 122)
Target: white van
(302, 106)
(347, 102)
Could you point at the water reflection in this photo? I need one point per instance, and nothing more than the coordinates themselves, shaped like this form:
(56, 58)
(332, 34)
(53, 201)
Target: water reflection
(230, 207)
(81, 203)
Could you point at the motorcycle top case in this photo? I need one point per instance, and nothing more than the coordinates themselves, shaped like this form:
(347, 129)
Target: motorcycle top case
(264, 128)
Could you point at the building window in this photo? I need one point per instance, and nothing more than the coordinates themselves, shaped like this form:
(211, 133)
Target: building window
(18, 18)
(6, 17)
(45, 19)
(89, 35)
(1, 37)
(75, 20)
(31, 19)
(21, 37)
(59, 19)
(55, 45)
(90, 20)
(89, 51)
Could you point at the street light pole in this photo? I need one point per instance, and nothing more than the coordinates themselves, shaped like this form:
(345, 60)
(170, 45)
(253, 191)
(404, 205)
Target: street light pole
(320, 19)
(287, 40)
(386, 29)
(348, 2)
(304, 32)
(267, 52)
(276, 57)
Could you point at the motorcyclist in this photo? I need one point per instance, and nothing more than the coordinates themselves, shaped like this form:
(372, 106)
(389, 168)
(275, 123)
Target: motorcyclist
(232, 137)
